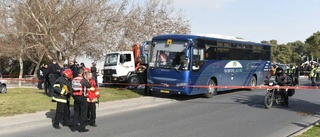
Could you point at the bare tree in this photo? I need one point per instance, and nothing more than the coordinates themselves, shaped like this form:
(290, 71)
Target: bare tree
(66, 29)
(152, 18)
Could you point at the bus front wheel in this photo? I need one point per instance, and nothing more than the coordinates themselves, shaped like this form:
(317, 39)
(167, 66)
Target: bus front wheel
(211, 90)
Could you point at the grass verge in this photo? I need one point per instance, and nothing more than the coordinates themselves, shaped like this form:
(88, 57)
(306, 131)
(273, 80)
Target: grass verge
(30, 100)
(313, 132)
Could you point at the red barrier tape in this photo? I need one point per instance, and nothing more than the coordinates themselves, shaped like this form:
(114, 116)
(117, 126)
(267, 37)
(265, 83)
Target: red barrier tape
(190, 86)
(17, 79)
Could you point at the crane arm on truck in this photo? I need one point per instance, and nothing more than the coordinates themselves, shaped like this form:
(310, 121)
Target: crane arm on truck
(136, 54)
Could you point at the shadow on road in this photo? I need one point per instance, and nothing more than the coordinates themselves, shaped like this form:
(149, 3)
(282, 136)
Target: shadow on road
(302, 107)
(50, 114)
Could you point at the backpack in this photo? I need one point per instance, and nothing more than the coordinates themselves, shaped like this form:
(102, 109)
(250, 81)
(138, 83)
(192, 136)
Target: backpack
(77, 89)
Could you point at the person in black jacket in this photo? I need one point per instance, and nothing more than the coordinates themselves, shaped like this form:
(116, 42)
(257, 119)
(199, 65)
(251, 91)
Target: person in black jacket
(46, 79)
(74, 68)
(54, 73)
(95, 72)
(61, 95)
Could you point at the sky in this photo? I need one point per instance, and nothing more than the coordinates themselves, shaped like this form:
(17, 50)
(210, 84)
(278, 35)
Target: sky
(254, 20)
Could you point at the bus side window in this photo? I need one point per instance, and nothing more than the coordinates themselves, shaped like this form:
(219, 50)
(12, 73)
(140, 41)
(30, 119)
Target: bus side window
(211, 53)
(223, 53)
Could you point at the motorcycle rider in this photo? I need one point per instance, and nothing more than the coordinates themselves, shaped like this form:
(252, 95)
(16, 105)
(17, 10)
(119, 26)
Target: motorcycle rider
(282, 79)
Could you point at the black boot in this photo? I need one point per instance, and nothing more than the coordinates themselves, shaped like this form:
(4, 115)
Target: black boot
(56, 126)
(83, 130)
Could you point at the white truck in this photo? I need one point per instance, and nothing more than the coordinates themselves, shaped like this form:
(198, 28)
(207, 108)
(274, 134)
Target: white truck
(120, 68)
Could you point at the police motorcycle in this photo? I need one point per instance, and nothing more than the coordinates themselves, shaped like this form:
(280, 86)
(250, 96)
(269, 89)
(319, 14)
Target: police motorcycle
(274, 92)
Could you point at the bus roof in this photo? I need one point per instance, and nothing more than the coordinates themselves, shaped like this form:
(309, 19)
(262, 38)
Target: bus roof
(224, 38)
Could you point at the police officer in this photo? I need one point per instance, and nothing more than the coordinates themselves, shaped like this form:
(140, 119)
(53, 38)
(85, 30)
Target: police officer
(61, 95)
(313, 75)
(54, 73)
(80, 101)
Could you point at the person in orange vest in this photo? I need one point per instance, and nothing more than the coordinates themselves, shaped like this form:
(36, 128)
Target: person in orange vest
(80, 85)
(92, 98)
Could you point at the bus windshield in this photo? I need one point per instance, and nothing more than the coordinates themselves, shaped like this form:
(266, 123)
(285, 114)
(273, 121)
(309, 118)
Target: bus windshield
(171, 56)
(111, 59)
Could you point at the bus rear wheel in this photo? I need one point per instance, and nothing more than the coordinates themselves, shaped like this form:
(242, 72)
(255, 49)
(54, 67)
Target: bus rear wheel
(253, 82)
(212, 91)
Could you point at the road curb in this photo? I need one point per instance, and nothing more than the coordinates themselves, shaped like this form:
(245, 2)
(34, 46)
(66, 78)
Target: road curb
(300, 132)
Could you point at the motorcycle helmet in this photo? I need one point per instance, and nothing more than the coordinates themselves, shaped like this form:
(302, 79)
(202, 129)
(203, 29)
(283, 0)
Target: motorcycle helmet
(279, 71)
(67, 73)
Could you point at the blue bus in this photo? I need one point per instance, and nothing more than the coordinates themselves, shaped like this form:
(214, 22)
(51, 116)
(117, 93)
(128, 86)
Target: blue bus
(181, 64)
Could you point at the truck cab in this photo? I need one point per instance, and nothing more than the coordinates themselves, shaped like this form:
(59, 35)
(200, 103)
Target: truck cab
(119, 67)
(127, 67)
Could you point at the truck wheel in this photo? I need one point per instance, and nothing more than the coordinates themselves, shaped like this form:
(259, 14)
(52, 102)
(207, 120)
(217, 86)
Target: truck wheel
(134, 81)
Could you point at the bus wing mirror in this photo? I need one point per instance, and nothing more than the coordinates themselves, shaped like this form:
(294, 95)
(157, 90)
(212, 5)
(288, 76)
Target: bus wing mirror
(154, 44)
(144, 59)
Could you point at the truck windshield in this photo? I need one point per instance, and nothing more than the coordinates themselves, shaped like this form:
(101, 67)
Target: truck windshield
(111, 59)
(170, 56)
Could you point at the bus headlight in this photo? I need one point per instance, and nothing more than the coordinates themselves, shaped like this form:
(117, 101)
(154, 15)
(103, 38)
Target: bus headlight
(183, 84)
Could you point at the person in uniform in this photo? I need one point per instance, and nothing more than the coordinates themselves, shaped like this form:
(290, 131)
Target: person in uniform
(61, 95)
(92, 98)
(313, 74)
(80, 86)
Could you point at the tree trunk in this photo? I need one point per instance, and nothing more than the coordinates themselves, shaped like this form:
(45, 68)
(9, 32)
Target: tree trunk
(21, 67)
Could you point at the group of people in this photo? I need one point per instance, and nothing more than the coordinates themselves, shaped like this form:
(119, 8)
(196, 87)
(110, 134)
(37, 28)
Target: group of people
(78, 83)
(47, 74)
(314, 73)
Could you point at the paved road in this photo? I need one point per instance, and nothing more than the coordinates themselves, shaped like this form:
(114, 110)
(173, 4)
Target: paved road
(240, 114)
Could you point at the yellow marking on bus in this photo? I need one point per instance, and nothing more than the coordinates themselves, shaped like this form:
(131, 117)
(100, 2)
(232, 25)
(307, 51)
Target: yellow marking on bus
(165, 91)
(169, 41)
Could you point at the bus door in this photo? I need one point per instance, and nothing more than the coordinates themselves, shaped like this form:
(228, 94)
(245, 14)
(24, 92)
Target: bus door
(198, 76)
